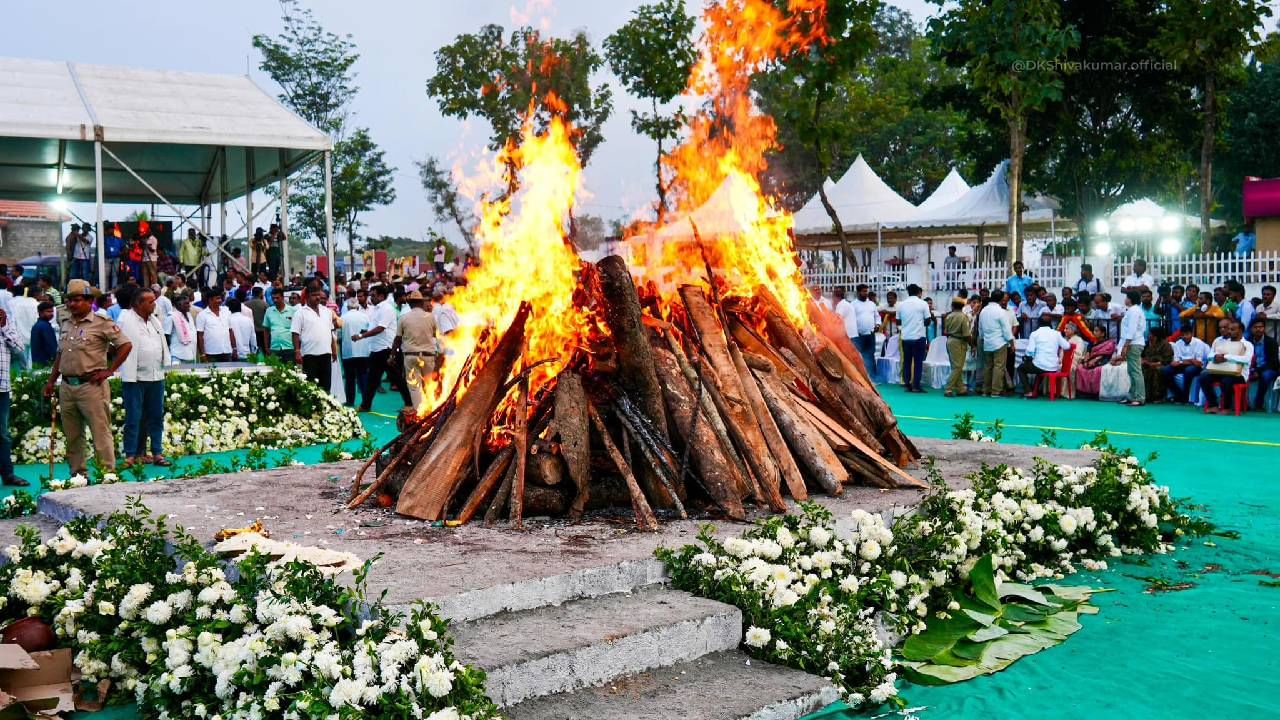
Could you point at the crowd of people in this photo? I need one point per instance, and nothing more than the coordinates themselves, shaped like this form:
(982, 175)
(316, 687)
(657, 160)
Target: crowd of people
(1149, 343)
(347, 336)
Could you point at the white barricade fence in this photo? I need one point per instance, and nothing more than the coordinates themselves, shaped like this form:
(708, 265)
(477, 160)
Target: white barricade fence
(1207, 270)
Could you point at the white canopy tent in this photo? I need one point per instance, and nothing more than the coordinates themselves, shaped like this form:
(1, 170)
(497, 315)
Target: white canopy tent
(813, 216)
(169, 137)
(952, 188)
(862, 200)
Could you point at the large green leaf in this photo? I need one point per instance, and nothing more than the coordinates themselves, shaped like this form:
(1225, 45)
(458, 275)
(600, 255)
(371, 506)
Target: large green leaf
(939, 636)
(983, 579)
(987, 633)
(1022, 592)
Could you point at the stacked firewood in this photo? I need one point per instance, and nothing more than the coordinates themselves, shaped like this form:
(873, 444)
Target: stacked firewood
(703, 404)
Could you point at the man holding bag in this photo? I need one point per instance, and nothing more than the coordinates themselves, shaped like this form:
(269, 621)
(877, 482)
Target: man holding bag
(1231, 357)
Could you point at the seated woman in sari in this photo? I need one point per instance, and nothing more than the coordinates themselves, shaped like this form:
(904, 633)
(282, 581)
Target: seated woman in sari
(1089, 374)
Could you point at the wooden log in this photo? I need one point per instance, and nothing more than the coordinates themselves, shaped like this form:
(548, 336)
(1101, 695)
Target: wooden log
(540, 500)
(545, 467)
(500, 499)
(575, 432)
(831, 326)
(437, 474)
(739, 417)
(717, 472)
(899, 477)
(772, 437)
(645, 519)
(488, 484)
(805, 441)
(635, 357)
(520, 441)
(711, 413)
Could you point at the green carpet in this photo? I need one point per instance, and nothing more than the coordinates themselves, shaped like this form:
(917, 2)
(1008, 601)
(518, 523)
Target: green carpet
(1208, 651)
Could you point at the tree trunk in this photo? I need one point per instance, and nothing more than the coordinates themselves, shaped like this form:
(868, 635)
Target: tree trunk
(657, 168)
(635, 358)
(1209, 106)
(822, 191)
(1017, 148)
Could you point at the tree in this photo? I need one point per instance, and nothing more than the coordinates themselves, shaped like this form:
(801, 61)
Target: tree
(653, 55)
(1251, 134)
(1012, 54)
(314, 69)
(312, 66)
(446, 202)
(1210, 39)
(1119, 131)
(798, 91)
(508, 81)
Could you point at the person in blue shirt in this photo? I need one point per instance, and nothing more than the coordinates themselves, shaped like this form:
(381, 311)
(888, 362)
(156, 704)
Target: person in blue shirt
(1019, 281)
(44, 339)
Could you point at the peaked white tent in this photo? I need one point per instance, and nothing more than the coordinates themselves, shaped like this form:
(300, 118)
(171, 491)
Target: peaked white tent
(952, 188)
(176, 138)
(862, 200)
(813, 216)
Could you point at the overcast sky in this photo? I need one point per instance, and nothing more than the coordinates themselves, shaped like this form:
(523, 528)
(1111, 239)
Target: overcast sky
(396, 40)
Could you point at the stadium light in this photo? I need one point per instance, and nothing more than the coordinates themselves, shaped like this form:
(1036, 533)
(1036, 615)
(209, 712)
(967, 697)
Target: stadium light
(1102, 248)
(59, 204)
(1170, 246)
(1170, 223)
(1102, 227)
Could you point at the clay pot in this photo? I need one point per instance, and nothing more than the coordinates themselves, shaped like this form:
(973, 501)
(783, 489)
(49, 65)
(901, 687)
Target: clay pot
(31, 634)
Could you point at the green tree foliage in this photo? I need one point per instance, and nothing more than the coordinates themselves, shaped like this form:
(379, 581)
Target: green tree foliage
(505, 80)
(1209, 39)
(653, 55)
(312, 66)
(314, 69)
(1251, 136)
(446, 202)
(804, 92)
(1119, 131)
(1011, 52)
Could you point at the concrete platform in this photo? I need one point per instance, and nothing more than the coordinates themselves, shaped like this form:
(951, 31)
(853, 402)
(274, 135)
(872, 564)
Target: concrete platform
(570, 620)
(721, 686)
(472, 571)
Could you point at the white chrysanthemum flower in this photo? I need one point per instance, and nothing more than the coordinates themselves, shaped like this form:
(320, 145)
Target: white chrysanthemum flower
(758, 637)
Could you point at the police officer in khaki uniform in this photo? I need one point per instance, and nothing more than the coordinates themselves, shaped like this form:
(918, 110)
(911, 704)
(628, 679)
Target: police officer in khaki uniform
(416, 337)
(85, 395)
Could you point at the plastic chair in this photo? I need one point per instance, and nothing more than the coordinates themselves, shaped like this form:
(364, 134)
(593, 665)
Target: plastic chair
(1053, 378)
(1240, 396)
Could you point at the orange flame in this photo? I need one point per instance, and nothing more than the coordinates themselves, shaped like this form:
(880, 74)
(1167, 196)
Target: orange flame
(523, 256)
(744, 236)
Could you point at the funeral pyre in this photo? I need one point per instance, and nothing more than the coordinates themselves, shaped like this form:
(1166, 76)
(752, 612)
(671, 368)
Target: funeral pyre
(696, 377)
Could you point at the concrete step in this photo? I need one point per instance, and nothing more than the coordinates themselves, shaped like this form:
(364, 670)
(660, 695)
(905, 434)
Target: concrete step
(539, 652)
(720, 686)
(536, 592)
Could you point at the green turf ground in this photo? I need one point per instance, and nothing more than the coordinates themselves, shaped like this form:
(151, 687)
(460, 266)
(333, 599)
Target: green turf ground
(1210, 651)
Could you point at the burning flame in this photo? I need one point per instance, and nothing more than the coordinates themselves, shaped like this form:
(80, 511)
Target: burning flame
(523, 256)
(715, 170)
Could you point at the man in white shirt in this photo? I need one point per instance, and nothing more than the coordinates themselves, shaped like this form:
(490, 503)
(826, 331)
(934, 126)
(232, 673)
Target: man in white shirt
(1189, 354)
(1269, 309)
(1231, 357)
(142, 381)
(1133, 338)
(355, 353)
(1043, 354)
(913, 314)
(313, 327)
(215, 341)
(860, 316)
(180, 326)
(995, 329)
(242, 325)
(1139, 279)
(381, 333)
(446, 317)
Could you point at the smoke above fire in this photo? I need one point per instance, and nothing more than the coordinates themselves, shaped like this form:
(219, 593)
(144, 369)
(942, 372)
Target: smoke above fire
(721, 222)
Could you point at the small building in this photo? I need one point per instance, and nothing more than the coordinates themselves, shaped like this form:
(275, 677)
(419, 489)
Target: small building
(29, 228)
(1262, 209)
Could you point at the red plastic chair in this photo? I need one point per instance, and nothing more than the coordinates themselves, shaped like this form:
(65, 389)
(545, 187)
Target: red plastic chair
(1240, 396)
(1053, 378)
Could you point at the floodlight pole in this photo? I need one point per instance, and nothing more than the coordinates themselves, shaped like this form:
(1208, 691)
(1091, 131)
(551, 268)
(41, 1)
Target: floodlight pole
(97, 185)
(328, 213)
(284, 218)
